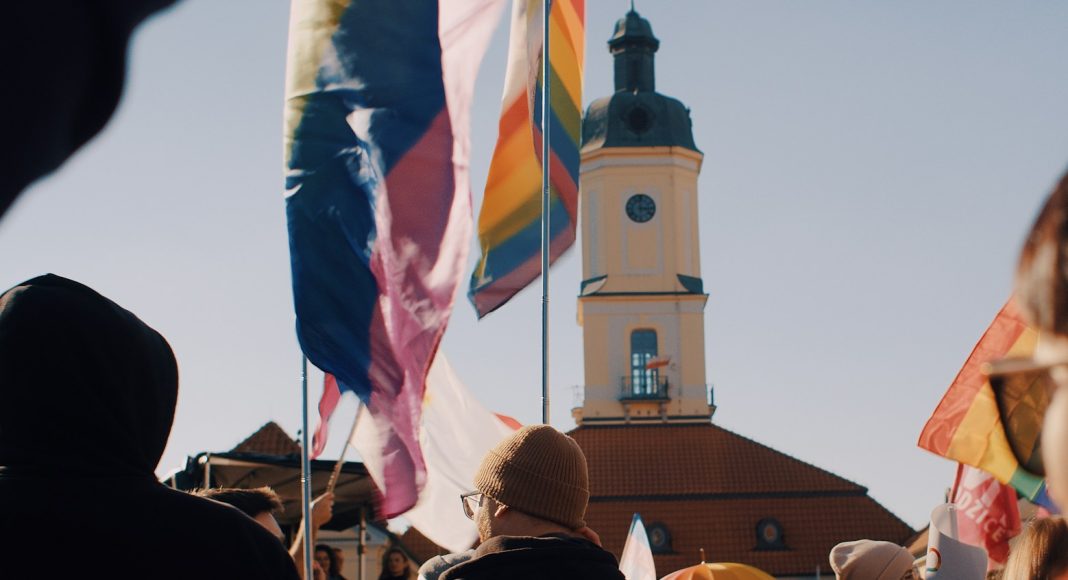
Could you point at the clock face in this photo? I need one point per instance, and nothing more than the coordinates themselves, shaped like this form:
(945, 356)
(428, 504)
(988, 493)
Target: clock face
(641, 208)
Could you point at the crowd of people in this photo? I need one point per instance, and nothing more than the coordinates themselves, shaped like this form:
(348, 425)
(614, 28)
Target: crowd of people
(88, 394)
(87, 397)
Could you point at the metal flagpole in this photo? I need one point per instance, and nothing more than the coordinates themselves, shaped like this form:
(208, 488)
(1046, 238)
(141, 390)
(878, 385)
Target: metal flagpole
(545, 215)
(305, 469)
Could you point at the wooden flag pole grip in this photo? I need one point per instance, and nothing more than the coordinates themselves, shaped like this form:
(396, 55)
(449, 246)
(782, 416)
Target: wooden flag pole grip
(341, 460)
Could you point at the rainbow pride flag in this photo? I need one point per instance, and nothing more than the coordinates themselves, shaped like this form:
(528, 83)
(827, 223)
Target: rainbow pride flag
(968, 426)
(378, 96)
(509, 226)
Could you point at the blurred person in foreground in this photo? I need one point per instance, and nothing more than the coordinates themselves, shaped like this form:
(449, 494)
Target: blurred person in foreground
(1041, 552)
(529, 504)
(1042, 294)
(87, 397)
(62, 80)
(263, 505)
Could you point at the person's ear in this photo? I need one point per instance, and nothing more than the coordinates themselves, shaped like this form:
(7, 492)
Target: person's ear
(500, 510)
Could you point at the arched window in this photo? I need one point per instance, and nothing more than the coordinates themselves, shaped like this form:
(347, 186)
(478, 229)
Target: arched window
(643, 380)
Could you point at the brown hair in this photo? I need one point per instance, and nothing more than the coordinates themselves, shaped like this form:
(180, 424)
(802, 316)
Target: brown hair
(252, 502)
(1042, 271)
(1041, 552)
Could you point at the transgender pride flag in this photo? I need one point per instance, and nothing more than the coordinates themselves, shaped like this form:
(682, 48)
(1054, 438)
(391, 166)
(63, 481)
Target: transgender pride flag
(378, 96)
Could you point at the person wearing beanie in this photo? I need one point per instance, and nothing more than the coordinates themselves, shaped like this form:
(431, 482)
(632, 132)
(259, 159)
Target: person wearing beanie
(529, 504)
(870, 560)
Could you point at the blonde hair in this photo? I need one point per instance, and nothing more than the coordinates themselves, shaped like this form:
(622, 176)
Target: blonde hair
(1041, 552)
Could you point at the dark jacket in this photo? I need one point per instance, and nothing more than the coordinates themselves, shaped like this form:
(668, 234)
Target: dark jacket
(525, 558)
(87, 396)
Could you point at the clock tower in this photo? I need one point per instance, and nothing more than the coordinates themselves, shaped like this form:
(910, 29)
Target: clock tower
(641, 301)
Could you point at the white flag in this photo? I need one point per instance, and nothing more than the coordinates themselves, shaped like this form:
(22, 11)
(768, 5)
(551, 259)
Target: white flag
(948, 558)
(455, 434)
(636, 563)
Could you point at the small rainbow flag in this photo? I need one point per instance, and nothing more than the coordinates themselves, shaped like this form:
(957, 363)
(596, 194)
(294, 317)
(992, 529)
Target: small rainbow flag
(509, 227)
(967, 425)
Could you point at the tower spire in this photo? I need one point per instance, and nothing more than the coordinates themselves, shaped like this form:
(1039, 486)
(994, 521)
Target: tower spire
(633, 46)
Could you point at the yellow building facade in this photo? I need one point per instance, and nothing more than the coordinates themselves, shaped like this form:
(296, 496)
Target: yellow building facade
(641, 303)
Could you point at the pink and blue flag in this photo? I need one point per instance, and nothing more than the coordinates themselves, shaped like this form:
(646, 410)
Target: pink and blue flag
(376, 145)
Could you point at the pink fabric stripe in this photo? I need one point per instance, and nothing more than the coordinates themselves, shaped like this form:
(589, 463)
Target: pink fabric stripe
(424, 226)
(327, 403)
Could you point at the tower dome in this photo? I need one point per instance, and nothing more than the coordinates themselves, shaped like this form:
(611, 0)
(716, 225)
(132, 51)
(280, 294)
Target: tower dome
(636, 115)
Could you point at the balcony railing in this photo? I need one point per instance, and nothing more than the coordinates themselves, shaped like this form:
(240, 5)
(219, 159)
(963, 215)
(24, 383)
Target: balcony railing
(643, 388)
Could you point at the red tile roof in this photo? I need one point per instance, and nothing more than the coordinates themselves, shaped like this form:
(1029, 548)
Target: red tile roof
(657, 460)
(710, 487)
(269, 440)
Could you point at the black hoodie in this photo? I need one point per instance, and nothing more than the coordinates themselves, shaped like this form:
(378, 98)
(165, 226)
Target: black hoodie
(527, 558)
(87, 397)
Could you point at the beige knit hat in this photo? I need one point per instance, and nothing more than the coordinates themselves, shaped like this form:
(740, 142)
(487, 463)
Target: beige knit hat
(538, 471)
(870, 560)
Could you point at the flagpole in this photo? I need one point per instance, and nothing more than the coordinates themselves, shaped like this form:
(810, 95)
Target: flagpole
(545, 214)
(305, 469)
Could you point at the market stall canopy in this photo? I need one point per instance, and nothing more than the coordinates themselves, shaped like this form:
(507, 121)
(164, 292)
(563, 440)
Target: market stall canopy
(354, 488)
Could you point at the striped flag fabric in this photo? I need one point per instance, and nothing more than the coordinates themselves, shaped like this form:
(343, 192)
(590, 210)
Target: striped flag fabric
(509, 225)
(657, 363)
(456, 433)
(327, 405)
(636, 561)
(967, 425)
(376, 146)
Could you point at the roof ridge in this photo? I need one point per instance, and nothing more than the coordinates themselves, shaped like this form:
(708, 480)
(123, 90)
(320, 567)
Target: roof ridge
(256, 441)
(788, 456)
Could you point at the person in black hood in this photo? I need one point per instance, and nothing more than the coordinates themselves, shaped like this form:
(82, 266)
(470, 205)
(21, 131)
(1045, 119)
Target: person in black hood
(87, 397)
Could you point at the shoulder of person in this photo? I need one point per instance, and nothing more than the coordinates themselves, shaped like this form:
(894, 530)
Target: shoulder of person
(433, 568)
(211, 521)
(523, 557)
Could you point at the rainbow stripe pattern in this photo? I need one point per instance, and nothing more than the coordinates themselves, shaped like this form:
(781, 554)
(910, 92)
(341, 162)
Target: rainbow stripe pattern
(376, 143)
(509, 225)
(967, 426)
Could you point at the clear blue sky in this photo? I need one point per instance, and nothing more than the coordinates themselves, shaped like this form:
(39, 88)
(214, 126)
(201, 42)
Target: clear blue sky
(870, 170)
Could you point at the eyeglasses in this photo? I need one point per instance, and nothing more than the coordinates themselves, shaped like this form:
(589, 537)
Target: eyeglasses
(1022, 390)
(471, 501)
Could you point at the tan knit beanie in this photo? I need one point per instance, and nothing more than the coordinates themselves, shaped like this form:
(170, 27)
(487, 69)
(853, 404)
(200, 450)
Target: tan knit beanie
(538, 471)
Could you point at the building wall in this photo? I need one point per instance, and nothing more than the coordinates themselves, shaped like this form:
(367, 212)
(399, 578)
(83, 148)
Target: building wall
(640, 264)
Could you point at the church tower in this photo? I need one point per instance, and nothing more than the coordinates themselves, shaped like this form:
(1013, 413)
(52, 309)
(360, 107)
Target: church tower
(642, 300)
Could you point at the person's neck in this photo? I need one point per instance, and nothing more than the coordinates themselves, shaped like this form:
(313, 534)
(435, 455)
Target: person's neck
(536, 529)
